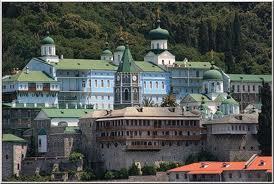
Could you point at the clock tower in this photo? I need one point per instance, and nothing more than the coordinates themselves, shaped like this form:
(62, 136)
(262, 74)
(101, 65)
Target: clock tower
(127, 82)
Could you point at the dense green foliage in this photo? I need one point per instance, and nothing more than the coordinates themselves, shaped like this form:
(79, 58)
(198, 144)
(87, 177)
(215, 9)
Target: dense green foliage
(75, 156)
(133, 170)
(164, 166)
(239, 31)
(265, 121)
(29, 178)
(87, 176)
(201, 156)
(149, 170)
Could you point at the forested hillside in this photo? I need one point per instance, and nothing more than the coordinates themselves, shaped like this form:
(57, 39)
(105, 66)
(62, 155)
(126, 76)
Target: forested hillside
(239, 33)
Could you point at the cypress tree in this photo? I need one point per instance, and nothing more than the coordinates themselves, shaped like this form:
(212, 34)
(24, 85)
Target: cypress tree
(229, 59)
(236, 37)
(211, 36)
(265, 120)
(203, 38)
(220, 38)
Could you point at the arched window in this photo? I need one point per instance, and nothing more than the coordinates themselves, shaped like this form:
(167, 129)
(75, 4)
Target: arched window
(96, 83)
(108, 83)
(150, 84)
(145, 84)
(157, 85)
(126, 94)
(135, 94)
(50, 50)
(163, 85)
(158, 45)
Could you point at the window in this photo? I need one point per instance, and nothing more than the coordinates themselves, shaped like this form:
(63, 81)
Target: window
(96, 83)
(163, 85)
(89, 83)
(102, 83)
(152, 46)
(158, 45)
(253, 87)
(230, 175)
(50, 49)
(145, 84)
(83, 84)
(169, 62)
(18, 166)
(185, 176)
(108, 97)
(156, 84)
(163, 62)
(238, 88)
(248, 88)
(177, 176)
(7, 156)
(197, 73)
(108, 82)
(126, 94)
(150, 84)
(243, 87)
(233, 87)
(39, 143)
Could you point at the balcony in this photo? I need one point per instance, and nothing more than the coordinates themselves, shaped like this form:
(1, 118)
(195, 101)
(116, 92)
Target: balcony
(153, 137)
(143, 148)
(152, 128)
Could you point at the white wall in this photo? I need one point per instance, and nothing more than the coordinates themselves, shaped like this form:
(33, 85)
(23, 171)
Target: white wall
(158, 44)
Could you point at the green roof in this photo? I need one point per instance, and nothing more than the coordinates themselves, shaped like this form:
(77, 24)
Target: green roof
(12, 138)
(72, 130)
(127, 63)
(149, 66)
(212, 74)
(47, 40)
(84, 64)
(220, 98)
(249, 78)
(120, 48)
(230, 101)
(198, 97)
(32, 76)
(193, 64)
(158, 33)
(66, 113)
(42, 131)
(106, 52)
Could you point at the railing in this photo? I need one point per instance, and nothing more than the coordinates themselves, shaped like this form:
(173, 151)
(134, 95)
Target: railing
(153, 137)
(144, 128)
(143, 147)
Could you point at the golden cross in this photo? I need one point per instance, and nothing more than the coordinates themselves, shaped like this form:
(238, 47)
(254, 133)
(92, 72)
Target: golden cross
(158, 12)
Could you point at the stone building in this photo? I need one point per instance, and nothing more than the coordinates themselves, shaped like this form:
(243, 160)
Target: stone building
(140, 134)
(257, 168)
(56, 131)
(233, 138)
(13, 153)
(246, 88)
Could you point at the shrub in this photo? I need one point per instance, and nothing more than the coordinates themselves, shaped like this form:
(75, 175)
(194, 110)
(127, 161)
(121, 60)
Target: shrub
(201, 156)
(164, 166)
(109, 175)
(149, 170)
(87, 176)
(133, 170)
(123, 174)
(75, 156)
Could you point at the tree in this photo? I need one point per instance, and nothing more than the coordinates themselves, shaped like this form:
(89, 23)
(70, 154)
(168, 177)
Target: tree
(211, 36)
(109, 175)
(75, 156)
(148, 102)
(87, 176)
(149, 170)
(203, 38)
(169, 101)
(237, 37)
(133, 170)
(265, 120)
(201, 156)
(220, 38)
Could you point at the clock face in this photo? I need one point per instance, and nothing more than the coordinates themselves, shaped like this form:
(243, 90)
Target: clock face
(118, 78)
(134, 78)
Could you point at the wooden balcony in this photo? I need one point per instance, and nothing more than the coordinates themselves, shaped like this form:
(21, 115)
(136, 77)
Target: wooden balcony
(146, 128)
(153, 137)
(143, 148)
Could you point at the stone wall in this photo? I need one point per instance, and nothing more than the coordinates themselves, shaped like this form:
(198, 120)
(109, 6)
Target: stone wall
(12, 156)
(233, 147)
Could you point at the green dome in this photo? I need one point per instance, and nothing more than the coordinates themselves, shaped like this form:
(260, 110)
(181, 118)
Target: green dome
(158, 33)
(47, 40)
(212, 75)
(120, 48)
(230, 101)
(42, 131)
(107, 52)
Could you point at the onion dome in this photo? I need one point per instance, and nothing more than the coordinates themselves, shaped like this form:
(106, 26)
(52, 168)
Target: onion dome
(47, 40)
(121, 47)
(158, 33)
(106, 51)
(212, 74)
(230, 101)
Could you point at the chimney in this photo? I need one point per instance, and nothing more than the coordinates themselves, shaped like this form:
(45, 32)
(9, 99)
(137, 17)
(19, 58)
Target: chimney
(62, 57)
(261, 163)
(203, 165)
(27, 70)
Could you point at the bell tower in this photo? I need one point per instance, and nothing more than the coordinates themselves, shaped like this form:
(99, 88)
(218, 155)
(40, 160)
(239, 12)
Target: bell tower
(127, 82)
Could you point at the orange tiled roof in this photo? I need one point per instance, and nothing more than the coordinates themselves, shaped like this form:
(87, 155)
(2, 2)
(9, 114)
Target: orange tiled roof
(219, 167)
(261, 163)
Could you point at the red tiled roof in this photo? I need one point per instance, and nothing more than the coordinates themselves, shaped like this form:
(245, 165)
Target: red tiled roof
(219, 167)
(257, 165)
(205, 172)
